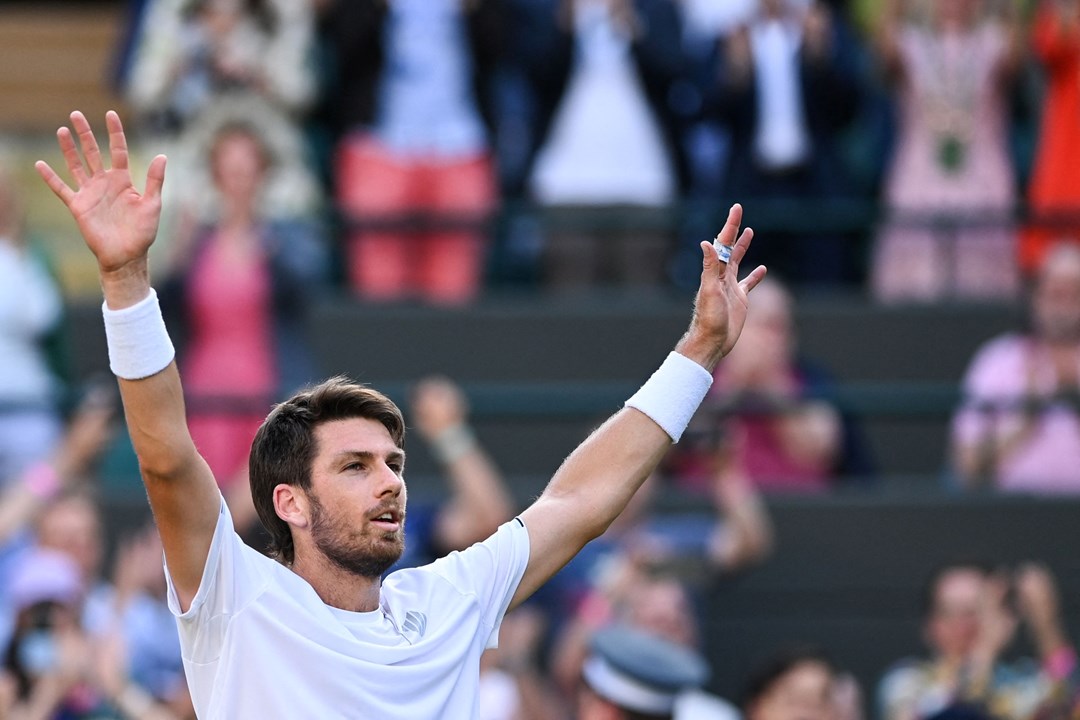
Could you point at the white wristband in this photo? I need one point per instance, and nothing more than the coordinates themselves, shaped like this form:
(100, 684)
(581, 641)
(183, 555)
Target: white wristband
(139, 345)
(673, 393)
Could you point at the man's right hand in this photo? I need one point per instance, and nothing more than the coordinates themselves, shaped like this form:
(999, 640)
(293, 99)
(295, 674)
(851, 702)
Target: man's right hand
(118, 223)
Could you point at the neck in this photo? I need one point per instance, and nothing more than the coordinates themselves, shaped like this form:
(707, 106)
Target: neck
(336, 586)
(236, 213)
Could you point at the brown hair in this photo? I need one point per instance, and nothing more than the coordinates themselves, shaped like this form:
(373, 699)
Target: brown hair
(285, 447)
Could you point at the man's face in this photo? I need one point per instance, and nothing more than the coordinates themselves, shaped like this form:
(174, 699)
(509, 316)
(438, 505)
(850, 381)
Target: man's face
(953, 626)
(357, 496)
(803, 693)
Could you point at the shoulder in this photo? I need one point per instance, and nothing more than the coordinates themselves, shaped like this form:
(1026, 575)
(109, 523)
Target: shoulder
(468, 571)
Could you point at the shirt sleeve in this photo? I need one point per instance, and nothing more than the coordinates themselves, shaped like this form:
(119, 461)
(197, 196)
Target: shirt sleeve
(233, 576)
(490, 571)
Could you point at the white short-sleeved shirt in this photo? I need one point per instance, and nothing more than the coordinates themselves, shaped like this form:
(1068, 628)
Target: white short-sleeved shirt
(258, 642)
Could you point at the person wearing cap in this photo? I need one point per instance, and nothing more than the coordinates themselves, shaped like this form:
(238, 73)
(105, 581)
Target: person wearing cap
(635, 675)
(48, 656)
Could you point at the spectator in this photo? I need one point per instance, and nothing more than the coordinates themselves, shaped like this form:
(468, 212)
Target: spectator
(632, 674)
(413, 88)
(238, 292)
(1054, 193)
(950, 191)
(621, 93)
(968, 624)
(536, 66)
(1019, 427)
(86, 435)
(479, 501)
(198, 64)
(786, 84)
(513, 685)
(49, 658)
(52, 665)
(130, 616)
(30, 309)
(135, 633)
(23, 500)
(630, 582)
(600, 586)
(797, 684)
(770, 418)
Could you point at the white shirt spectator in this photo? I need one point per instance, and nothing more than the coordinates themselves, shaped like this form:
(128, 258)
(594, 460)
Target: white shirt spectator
(30, 306)
(605, 145)
(781, 139)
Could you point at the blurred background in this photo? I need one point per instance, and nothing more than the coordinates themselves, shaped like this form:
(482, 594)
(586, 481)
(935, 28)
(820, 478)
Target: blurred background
(491, 209)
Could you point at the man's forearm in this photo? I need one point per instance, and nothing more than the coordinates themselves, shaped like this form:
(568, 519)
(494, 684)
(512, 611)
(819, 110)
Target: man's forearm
(154, 405)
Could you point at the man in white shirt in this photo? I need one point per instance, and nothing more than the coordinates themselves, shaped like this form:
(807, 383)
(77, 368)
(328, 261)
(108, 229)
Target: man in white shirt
(319, 634)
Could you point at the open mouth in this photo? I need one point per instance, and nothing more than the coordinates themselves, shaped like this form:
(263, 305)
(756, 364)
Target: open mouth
(388, 522)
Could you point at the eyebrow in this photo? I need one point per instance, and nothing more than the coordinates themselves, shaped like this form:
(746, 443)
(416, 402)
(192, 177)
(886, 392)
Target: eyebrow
(368, 455)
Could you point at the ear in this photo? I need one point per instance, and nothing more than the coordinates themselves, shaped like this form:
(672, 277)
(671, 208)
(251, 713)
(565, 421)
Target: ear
(291, 505)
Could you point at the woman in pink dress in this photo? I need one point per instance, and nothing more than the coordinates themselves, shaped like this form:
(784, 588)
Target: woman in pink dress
(952, 160)
(240, 285)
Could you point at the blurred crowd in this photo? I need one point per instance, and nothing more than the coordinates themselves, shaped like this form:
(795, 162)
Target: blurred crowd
(920, 150)
(426, 150)
(616, 634)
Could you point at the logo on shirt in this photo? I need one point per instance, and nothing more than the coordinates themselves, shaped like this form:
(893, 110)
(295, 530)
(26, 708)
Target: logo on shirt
(415, 623)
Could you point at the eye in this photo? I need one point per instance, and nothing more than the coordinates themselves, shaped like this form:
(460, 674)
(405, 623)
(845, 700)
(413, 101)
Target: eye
(354, 466)
(396, 466)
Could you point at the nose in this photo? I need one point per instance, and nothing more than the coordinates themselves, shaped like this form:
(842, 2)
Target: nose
(391, 484)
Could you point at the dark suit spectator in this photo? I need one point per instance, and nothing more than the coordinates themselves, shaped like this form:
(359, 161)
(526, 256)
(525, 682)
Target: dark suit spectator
(786, 84)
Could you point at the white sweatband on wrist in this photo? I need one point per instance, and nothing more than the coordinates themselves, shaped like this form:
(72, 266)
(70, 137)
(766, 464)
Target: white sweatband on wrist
(672, 395)
(139, 345)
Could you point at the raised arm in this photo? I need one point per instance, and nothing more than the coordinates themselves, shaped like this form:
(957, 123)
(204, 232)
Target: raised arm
(597, 481)
(85, 437)
(479, 501)
(119, 225)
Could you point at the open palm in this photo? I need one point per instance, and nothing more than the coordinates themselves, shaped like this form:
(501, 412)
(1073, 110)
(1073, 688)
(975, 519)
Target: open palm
(118, 223)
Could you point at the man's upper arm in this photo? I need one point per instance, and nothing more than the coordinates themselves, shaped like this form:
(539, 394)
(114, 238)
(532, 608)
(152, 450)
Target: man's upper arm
(588, 492)
(183, 494)
(185, 511)
(554, 540)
